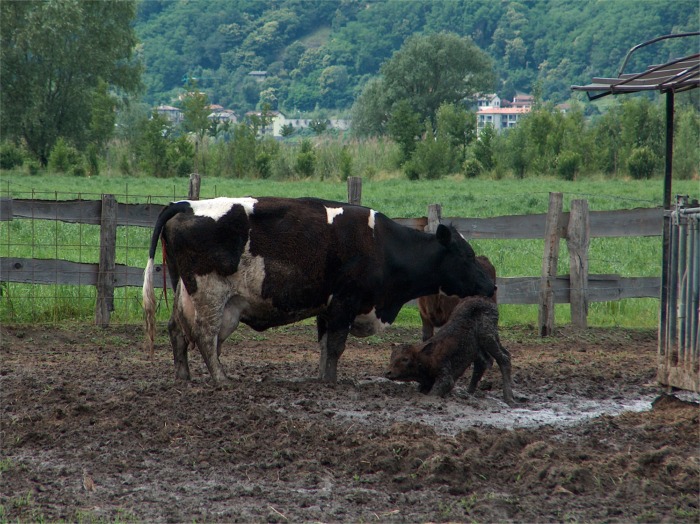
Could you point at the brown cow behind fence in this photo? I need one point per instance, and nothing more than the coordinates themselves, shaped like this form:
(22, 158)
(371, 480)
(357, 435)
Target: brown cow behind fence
(436, 309)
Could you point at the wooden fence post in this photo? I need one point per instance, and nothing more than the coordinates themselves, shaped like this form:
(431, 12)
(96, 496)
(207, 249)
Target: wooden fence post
(105, 275)
(434, 217)
(355, 190)
(577, 240)
(195, 182)
(549, 265)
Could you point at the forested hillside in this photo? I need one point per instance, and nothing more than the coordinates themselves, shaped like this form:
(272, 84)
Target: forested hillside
(320, 54)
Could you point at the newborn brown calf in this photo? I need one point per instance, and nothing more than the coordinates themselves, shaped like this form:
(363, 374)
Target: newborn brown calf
(469, 337)
(436, 309)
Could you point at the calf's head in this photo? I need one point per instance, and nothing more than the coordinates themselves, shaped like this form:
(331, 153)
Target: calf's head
(404, 364)
(460, 272)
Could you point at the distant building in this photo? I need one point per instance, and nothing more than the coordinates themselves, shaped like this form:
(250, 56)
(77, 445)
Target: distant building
(259, 76)
(275, 121)
(499, 118)
(171, 113)
(523, 101)
(487, 100)
(222, 115)
(504, 115)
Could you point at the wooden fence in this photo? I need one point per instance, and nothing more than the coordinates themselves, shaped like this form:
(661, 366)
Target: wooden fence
(576, 227)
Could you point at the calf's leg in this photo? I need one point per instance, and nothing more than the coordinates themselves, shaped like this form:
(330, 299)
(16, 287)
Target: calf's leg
(443, 385)
(428, 329)
(480, 367)
(502, 358)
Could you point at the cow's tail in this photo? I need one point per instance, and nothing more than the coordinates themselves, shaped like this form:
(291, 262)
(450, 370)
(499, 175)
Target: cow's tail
(149, 296)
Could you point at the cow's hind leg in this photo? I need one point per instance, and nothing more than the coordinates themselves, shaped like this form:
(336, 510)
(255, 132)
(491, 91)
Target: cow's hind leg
(179, 344)
(210, 304)
(208, 346)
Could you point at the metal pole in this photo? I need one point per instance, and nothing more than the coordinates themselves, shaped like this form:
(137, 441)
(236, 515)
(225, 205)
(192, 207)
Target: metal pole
(666, 239)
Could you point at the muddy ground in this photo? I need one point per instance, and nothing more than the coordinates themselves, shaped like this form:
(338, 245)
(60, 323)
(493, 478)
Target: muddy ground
(94, 431)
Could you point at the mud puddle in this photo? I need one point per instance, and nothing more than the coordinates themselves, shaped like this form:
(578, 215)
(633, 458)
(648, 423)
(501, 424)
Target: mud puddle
(462, 411)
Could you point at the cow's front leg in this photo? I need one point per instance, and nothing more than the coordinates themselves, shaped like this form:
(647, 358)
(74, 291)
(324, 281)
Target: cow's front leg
(332, 341)
(179, 344)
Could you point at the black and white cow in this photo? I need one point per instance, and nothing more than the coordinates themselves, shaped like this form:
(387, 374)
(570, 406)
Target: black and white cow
(271, 261)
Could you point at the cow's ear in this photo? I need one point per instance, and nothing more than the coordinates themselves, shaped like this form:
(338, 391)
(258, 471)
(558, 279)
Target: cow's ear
(443, 234)
(427, 349)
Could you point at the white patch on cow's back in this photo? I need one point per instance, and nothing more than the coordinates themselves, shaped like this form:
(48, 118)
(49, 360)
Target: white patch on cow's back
(332, 212)
(217, 207)
(366, 325)
(372, 215)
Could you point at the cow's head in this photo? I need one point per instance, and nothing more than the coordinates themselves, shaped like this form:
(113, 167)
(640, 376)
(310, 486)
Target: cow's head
(460, 273)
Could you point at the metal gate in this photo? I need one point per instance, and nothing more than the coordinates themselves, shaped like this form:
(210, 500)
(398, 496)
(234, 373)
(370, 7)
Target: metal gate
(679, 359)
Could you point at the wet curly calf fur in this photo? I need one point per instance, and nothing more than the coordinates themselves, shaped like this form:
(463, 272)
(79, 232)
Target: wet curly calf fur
(470, 337)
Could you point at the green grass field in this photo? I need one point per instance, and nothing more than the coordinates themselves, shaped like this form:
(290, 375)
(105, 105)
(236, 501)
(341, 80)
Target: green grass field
(636, 256)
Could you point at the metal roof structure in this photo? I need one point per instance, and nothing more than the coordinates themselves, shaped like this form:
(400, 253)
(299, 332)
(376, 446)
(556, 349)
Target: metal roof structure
(676, 75)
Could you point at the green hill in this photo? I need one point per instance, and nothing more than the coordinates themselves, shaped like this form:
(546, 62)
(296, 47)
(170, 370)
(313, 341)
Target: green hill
(319, 54)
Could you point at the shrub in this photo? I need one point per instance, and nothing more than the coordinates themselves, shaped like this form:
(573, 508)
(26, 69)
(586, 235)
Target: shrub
(10, 156)
(472, 168)
(641, 163)
(181, 156)
(282, 167)
(78, 170)
(263, 164)
(430, 160)
(411, 171)
(92, 160)
(63, 157)
(568, 165)
(306, 160)
(345, 164)
(33, 167)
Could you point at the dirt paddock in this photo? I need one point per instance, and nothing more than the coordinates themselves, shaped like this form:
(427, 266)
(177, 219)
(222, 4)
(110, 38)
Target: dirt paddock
(94, 431)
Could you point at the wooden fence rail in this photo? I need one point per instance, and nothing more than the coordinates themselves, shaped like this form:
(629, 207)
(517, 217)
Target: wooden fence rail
(579, 289)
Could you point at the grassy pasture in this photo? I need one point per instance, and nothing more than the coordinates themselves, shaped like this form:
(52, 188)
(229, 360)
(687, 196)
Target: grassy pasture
(635, 256)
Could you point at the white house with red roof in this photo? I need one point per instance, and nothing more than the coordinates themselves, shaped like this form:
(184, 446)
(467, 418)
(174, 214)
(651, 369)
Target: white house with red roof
(501, 118)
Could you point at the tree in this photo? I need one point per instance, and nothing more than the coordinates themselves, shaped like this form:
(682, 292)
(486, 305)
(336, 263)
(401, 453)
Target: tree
(196, 110)
(457, 127)
(54, 55)
(483, 148)
(370, 110)
(430, 70)
(319, 125)
(404, 128)
(153, 145)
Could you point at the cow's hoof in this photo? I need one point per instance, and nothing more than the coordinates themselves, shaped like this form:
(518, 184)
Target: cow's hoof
(223, 383)
(520, 398)
(182, 377)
